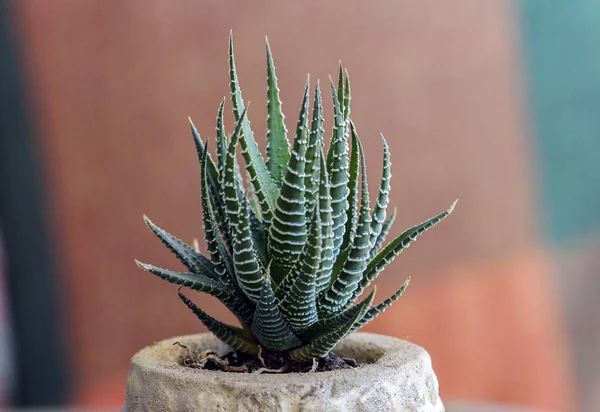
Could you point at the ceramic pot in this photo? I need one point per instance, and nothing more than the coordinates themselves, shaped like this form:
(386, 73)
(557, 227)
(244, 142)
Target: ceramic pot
(394, 375)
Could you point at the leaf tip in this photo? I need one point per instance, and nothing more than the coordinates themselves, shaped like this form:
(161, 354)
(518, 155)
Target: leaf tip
(147, 220)
(141, 265)
(451, 209)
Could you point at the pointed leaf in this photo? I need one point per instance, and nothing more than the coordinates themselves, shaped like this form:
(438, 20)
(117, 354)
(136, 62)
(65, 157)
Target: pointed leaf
(347, 98)
(337, 167)
(265, 188)
(268, 325)
(230, 335)
(215, 183)
(195, 281)
(278, 147)
(351, 213)
(259, 235)
(323, 345)
(343, 287)
(397, 246)
(382, 234)
(299, 305)
(249, 273)
(194, 261)
(379, 212)
(213, 173)
(326, 265)
(287, 234)
(218, 255)
(376, 310)
(315, 141)
(340, 89)
(238, 305)
(326, 325)
(221, 141)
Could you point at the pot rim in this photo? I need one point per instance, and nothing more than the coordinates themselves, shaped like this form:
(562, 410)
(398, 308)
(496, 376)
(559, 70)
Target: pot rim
(372, 351)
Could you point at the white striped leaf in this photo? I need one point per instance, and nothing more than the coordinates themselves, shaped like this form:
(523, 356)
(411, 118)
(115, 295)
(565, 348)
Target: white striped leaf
(379, 211)
(265, 188)
(385, 228)
(287, 233)
(321, 346)
(343, 287)
(326, 265)
(373, 312)
(194, 261)
(299, 304)
(315, 142)
(234, 337)
(268, 325)
(396, 247)
(214, 245)
(337, 167)
(278, 146)
(248, 270)
(238, 305)
(326, 325)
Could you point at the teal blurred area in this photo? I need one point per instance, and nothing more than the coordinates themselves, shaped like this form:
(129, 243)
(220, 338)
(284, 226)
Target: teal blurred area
(560, 51)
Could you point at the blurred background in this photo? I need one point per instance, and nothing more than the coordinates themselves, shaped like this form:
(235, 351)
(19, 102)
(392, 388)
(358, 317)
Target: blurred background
(495, 102)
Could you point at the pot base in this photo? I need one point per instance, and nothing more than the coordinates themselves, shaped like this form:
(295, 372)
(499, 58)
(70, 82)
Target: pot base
(395, 375)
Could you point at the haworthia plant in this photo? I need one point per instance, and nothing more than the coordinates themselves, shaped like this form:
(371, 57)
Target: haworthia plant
(290, 254)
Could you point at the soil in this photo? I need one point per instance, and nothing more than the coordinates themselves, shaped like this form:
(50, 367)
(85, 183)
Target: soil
(265, 362)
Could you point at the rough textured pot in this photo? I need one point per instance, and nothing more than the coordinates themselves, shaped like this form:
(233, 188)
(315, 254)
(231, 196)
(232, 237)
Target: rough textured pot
(395, 375)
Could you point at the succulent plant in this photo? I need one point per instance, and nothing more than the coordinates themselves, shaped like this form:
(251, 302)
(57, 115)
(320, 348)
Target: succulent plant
(292, 255)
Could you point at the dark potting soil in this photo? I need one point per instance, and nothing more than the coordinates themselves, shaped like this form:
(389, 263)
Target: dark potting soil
(271, 362)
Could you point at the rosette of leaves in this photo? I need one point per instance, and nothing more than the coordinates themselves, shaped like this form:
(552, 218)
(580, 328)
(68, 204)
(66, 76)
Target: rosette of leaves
(291, 252)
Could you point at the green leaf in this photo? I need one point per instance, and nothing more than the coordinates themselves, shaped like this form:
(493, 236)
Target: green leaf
(221, 141)
(340, 89)
(194, 261)
(249, 272)
(218, 255)
(238, 305)
(351, 213)
(212, 168)
(315, 141)
(287, 234)
(382, 234)
(397, 246)
(259, 235)
(265, 188)
(342, 289)
(326, 325)
(268, 325)
(299, 305)
(376, 310)
(337, 167)
(326, 265)
(278, 147)
(325, 344)
(230, 335)
(195, 281)
(347, 98)
(379, 212)
(215, 184)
